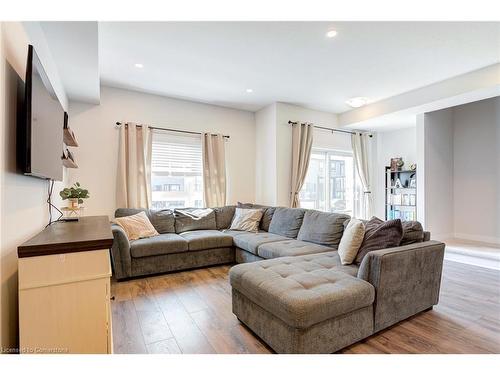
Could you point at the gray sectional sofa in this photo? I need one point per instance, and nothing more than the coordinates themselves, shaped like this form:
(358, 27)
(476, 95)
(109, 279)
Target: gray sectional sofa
(185, 242)
(293, 292)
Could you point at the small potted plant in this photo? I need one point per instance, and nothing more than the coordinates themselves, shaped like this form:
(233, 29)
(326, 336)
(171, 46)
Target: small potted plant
(75, 195)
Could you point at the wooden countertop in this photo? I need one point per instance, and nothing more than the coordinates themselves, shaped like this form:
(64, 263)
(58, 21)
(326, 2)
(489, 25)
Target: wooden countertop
(88, 233)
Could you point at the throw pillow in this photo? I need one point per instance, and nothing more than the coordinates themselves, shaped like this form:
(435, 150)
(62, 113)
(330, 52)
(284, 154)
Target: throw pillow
(351, 241)
(322, 228)
(412, 233)
(224, 216)
(287, 221)
(137, 226)
(187, 219)
(246, 219)
(267, 216)
(380, 234)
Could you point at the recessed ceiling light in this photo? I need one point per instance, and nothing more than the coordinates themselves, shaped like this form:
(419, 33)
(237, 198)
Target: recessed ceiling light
(357, 102)
(139, 65)
(249, 90)
(331, 34)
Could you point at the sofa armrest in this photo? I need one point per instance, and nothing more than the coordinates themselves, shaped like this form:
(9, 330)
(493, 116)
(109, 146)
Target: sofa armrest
(406, 280)
(120, 253)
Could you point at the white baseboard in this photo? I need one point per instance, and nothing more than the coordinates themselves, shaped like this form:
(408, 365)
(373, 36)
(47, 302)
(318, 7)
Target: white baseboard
(441, 236)
(473, 237)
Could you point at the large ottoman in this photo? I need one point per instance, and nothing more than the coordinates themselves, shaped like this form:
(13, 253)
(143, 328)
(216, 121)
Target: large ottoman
(303, 304)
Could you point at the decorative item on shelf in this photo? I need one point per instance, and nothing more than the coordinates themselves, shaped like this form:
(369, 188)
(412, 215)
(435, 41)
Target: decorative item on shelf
(413, 199)
(75, 196)
(397, 164)
(68, 159)
(398, 184)
(413, 183)
(413, 167)
(68, 136)
(406, 200)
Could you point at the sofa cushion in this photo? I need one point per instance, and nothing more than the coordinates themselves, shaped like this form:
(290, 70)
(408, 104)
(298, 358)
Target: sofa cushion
(246, 219)
(303, 290)
(187, 219)
(267, 216)
(206, 239)
(162, 220)
(233, 233)
(167, 243)
(412, 233)
(137, 226)
(351, 241)
(323, 228)
(224, 216)
(122, 212)
(251, 241)
(380, 234)
(290, 248)
(287, 221)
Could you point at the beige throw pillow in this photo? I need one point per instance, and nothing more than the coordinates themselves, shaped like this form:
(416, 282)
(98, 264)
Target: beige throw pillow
(137, 226)
(246, 219)
(351, 241)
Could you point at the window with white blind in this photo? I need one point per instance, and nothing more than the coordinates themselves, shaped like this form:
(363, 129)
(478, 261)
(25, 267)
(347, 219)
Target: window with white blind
(176, 170)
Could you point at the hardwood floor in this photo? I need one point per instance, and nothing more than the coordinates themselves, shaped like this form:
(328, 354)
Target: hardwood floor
(190, 312)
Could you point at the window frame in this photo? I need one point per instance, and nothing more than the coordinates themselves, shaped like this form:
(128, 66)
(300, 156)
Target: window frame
(327, 191)
(191, 193)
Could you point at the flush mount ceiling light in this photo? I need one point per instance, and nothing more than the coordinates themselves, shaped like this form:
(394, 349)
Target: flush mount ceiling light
(139, 65)
(249, 90)
(331, 34)
(357, 102)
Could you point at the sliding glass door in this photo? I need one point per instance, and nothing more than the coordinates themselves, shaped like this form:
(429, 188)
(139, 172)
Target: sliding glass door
(330, 183)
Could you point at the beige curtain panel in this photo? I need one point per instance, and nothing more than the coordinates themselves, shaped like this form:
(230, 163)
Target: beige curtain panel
(361, 145)
(214, 169)
(133, 179)
(302, 138)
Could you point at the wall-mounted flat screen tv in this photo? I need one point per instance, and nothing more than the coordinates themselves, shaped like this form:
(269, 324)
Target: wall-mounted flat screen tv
(40, 129)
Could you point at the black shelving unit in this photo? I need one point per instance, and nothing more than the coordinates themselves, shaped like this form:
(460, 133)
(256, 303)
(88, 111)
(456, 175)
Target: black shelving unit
(400, 202)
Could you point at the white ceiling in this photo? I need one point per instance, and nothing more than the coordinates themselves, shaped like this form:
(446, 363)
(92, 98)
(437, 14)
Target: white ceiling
(293, 62)
(215, 62)
(74, 48)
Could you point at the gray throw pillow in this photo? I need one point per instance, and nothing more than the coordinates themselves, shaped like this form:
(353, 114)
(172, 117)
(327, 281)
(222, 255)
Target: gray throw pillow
(186, 220)
(323, 228)
(412, 233)
(162, 220)
(380, 234)
(267, 216)
(287, 221)
(224, 216)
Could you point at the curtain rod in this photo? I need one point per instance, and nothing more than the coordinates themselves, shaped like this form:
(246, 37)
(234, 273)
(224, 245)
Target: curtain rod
(118, 124)
(329, 129)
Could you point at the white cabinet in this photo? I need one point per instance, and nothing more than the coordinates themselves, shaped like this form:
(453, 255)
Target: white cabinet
(64, 300)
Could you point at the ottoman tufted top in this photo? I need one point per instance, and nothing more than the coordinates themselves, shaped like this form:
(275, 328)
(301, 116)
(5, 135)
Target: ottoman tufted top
(302, 290)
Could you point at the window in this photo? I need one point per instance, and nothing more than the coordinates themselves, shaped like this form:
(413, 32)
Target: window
(176, 171)
(330, 183)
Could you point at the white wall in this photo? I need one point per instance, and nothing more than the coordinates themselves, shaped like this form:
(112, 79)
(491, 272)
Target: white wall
(22, 204)
(390, 144)
(265, 155)
(459, 184)
(94, 126)
(437, 190)
(476, 170)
